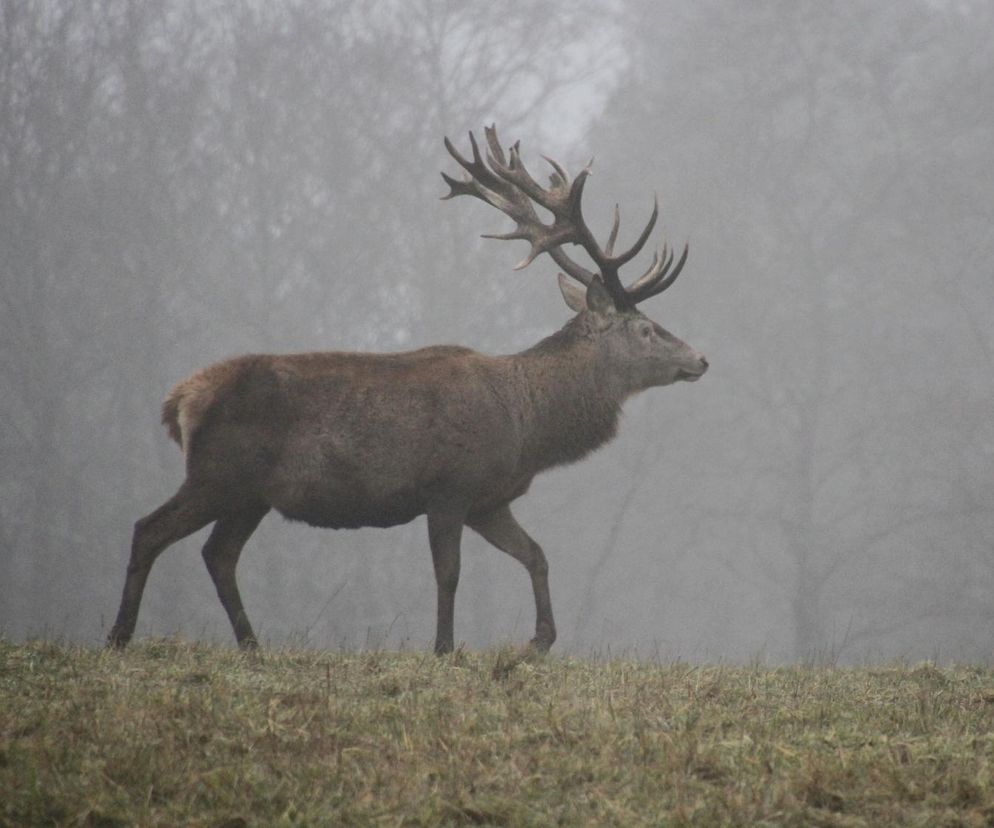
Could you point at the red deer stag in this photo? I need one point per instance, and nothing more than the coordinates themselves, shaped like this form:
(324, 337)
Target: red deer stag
(352, 439)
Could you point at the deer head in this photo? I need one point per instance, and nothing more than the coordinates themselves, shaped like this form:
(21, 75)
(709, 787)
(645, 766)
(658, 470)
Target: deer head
(642, 353)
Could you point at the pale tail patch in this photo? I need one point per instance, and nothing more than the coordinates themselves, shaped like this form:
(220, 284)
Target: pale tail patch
(185, 406)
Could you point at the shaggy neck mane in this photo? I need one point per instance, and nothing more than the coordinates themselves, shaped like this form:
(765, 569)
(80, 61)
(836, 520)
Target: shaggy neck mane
(568, 337)
(572, 403)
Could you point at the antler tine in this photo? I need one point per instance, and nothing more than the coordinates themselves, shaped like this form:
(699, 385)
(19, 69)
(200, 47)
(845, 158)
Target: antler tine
(469, 186)
(496, 150)
(655, 280)
(542, 244)
(578, 272)
(516, 174)
(669, 280)
(559, 178)
(609, 249)
(636, 248)
(573, 214)
(478, 182)
(659, 265)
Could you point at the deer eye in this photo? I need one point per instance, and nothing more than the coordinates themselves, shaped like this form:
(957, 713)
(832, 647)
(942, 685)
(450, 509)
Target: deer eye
(646, 331)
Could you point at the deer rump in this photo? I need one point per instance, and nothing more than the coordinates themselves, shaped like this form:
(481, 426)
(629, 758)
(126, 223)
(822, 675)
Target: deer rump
(344, 440)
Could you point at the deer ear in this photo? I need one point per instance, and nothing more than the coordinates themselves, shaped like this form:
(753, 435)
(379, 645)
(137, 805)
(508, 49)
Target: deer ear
(574, 296)
(598, 299)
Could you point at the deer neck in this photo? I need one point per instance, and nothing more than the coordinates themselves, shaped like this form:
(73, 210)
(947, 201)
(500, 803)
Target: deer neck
(571, 399)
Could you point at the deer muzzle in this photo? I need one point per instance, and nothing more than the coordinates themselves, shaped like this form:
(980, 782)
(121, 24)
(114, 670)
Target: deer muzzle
(695, 372)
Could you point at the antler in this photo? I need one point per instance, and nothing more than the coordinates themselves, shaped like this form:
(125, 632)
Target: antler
(504, 183)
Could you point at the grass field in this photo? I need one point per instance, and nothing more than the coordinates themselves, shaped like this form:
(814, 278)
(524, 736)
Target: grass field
(169, 733)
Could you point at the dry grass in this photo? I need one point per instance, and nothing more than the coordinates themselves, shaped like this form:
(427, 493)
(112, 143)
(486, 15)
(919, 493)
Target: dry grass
(169, 733)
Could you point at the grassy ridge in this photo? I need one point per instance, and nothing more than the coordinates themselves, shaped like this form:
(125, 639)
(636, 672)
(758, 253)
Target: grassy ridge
(170, 733)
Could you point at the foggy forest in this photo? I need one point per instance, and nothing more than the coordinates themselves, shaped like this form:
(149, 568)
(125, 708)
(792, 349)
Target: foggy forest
(189, 180)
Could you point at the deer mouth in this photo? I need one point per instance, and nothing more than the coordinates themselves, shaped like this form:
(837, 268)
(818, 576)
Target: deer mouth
(689, 376)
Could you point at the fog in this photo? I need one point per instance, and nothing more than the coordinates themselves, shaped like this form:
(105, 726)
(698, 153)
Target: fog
(193, 179)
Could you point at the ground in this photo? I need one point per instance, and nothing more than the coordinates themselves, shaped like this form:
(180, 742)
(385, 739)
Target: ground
(170, 733)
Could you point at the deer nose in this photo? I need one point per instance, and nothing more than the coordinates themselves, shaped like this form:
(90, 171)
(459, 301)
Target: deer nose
(704, 363)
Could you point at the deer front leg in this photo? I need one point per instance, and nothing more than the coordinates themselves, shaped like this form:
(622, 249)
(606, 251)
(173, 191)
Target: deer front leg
(444, 535)
(501, 529)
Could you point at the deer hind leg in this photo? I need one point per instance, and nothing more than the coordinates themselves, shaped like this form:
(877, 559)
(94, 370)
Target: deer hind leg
(183, 514)
(221, 556)
(501, 529)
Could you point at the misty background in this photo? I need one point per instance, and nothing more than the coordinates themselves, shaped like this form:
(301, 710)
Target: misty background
(188, 180)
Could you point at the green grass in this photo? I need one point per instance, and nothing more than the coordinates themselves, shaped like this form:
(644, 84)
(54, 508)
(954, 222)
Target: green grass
(169, 733)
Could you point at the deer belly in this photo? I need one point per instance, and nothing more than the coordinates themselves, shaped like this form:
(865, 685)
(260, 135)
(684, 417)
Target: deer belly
(344, 507)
